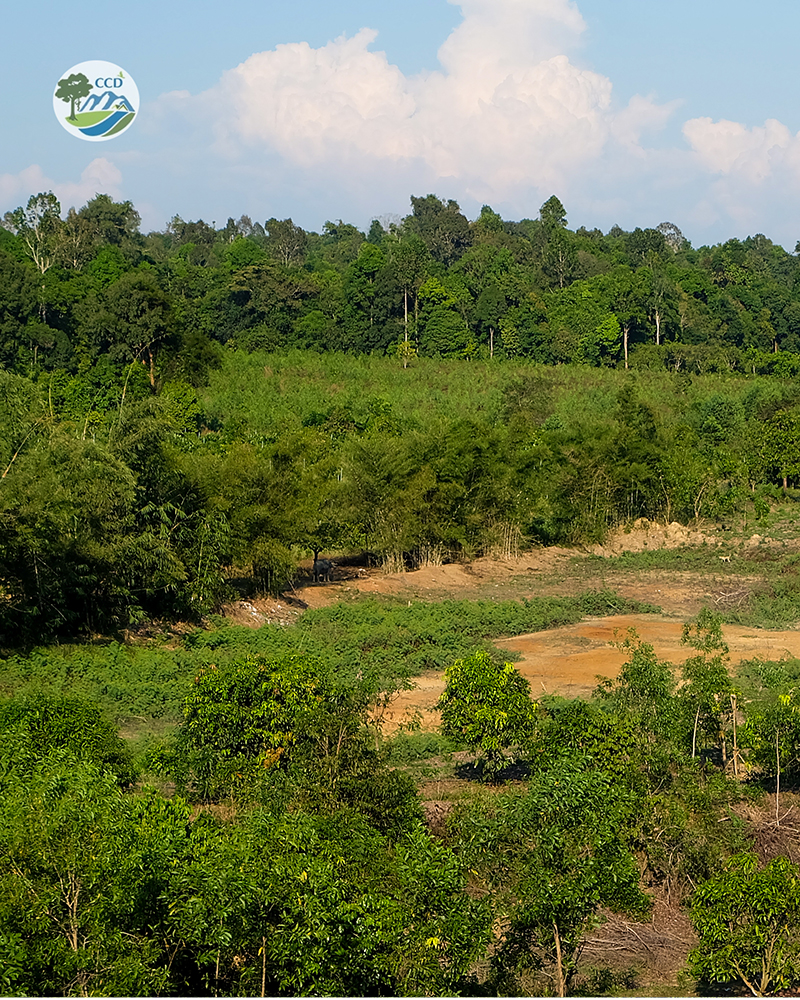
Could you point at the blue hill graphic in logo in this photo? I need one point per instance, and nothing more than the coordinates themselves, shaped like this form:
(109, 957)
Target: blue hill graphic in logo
(111, 99)
(96, 100)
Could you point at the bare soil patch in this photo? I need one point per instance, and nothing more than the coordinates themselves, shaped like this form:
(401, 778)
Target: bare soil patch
(259, 611)
(569, 660)
(645, 535)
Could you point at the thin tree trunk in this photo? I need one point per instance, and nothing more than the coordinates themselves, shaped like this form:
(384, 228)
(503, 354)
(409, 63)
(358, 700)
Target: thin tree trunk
(562, 990)
(263, 966)
(658, 328)
(777, 777)
(625, 343)
(735, 744)
(694, 732)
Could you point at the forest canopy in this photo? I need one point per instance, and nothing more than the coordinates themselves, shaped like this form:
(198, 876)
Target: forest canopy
(179, 408)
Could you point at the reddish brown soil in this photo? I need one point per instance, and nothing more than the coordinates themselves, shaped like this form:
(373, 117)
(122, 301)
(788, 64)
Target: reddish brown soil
(569, 660)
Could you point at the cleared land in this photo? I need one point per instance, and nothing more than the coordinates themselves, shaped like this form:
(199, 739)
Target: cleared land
(643, 564)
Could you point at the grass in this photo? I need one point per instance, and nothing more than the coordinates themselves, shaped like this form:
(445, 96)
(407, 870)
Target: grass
(687, 558)
(143, 689)
(275, 391)
(764, 680)
(769, 592)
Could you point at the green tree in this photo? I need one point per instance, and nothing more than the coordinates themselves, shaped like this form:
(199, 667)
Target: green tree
(748, 922)
(247, 717)
(39, 226)
(47, 724)
(132, 320)
(443, 227)
(487, 707)
(320, 905)
(489, 311)
(409, 256)
(553, 214)
(74, 874)
(72, 89)
(285, 241)
(707, 688)
(773, 736)
(644, 686)
(553, 859)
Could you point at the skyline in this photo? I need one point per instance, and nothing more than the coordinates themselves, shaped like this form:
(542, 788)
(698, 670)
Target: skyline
(344, 112)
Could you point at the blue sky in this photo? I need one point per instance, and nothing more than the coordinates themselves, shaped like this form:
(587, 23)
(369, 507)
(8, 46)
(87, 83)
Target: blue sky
(632, 112)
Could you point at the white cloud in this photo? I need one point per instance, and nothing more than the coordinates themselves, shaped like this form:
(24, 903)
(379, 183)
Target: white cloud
(755, 172)
(512, 115)
(101, 176)
(727, 147)
(508, 114)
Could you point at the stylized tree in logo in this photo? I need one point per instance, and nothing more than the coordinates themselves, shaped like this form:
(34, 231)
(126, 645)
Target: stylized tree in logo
(73, 88)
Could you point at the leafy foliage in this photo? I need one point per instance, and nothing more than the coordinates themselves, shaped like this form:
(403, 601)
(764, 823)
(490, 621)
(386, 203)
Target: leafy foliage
(748, 919)
(487, 707)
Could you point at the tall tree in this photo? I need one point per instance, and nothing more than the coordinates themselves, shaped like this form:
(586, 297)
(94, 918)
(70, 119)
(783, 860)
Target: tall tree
(72, 89)
(443, 227)
(39, 227)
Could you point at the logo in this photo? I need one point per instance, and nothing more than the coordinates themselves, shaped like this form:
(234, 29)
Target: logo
(96, 100)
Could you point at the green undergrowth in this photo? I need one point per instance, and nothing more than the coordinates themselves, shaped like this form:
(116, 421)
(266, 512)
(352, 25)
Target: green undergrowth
(412, 750)
(143, 688)
(765, 680)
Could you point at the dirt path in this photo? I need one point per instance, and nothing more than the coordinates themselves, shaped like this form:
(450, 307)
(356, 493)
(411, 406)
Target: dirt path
(568, 660)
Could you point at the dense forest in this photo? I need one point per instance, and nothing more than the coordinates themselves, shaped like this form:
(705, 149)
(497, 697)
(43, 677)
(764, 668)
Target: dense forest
(187, 415)
(188, 406)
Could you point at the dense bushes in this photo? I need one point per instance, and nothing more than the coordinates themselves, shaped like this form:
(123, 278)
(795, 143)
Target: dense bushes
(311, 872)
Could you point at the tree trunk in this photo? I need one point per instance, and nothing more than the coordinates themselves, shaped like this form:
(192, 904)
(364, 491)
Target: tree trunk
(694, 732)
(658, 328)
(263, 966)
(625, 343)
(777, 777)
(491, 341)
(735, 744)
(560, 984)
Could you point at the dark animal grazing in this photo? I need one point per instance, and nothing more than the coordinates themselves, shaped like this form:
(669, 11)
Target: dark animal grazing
(322, 569)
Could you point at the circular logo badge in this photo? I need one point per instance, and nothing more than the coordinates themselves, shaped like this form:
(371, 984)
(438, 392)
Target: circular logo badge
(96, 100)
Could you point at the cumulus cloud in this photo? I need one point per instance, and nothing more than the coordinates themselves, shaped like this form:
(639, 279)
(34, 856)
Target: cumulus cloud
(512, 114)
(101, 176)
(727, 147)
(748, 167)
(508, 112)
